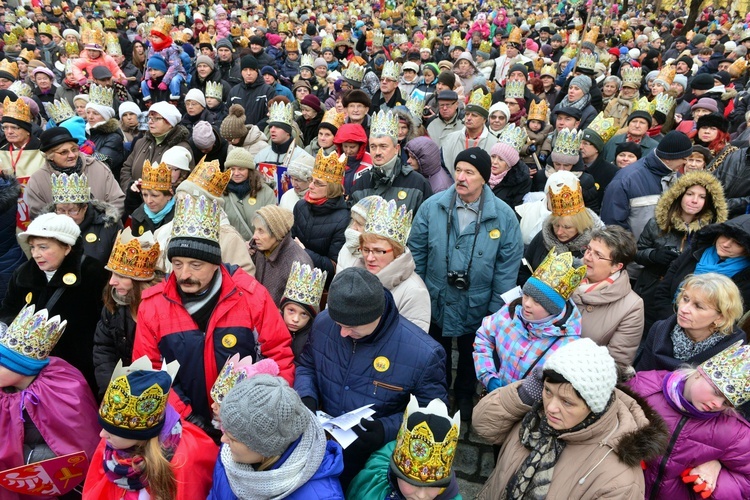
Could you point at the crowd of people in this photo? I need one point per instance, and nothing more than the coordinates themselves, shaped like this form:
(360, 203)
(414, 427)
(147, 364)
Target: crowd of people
(224, 224)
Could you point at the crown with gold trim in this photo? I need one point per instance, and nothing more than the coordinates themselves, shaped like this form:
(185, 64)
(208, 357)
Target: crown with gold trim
(29, 33)
(59, 110)
(514, 136)
(539, 111)
(485, 46)
(103, 96)
(737, 68)
(10, 39)
(70, 188)
(643, 104)
(215, 90)
(592, 35)
(426, 43)
(235, 371)
(586, 61)
(663, 103)
(327, 43)
(134, 257)
(564, 194)
(515, 36)
(209, 177)
(72, 48)
(334, 118)
(305, 285)
(419, 457)
(162, 26)
(389, 220)
(330, 168)
(26, 55)
(113, 45)
(479, 99)
(549, 70)
(557, 272)
(568, 142)
(355, 72)
(631, 77)
(605, 127)
(196, 217)
(457, 41)
(515, 89)
(17, 109)
(728, 371)
(156, 176)
(378, 39)
(391, 70)
(384, 123)
(31, 335)
(21, 89)
(573, 39)
(307, 60)
(110, 24)
(666, 75)
(415, 105)
(281, 113)
(291, 44)
(136, 399)
(93, 38)
(204, 39)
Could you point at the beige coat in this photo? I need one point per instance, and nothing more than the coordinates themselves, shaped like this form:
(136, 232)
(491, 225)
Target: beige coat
(255, 141)
(241, 212)
(601, 461)
(612, 316)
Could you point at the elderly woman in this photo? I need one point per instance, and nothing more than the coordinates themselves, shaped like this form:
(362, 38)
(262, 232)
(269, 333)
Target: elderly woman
(710, 441)
(424, 157)
(467, 73)
(300, 175)
(568, 432)
(103, 128)
(350, 253)
(195, 110)
(708, 308)
(407, 131)
(62, 279)
(245, 193)
(499, 116)
(610, 89)
(578, 97)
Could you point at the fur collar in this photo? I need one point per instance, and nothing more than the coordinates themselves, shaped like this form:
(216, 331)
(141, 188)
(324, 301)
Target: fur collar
(574, 245)
(717, 213)
(111, 126)
(175, 136)
(648, 441)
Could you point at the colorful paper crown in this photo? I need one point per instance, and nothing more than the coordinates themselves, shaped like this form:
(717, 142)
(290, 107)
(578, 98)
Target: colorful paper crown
(334, 118)
(479, 99)
(631, 77)
(196, 217)
(378, 38)
(558, 273)
(457, 40)
(389, 220)
(215, 90)
(305, 284)
(418, 457)
(136, 399)
(9, 67)
(17, 110)
(539, 111)
(549, 70)
(103, 96)
(93, 38)
(515, 36)
(328, 43)
(209, 177)
(330, 168)
(729, 371)
(307, 60)
(415, 105)
(666, 75)
(26, 55)
(568, 142)
(134, 257)
(663, 103)
(643, 104)
(162, 26)
(234, 372)
(70, 188)
(31, 335)
(59, 111)
(586, 60)
(355, 72)
(281, 113)
(384, 123)
(515, 89)
(20, 89)
(113, 45)
(391, 70)
(72, 48)
(605, 127)
(156, 176)
(564, 194)
(514, 136)
(592, 35)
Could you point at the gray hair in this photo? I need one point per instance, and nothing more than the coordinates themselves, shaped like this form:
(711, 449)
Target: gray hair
(615, 79)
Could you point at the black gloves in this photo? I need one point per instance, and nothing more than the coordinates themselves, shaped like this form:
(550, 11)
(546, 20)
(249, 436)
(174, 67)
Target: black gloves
(373, 435)
(663, 256)
(310, 403)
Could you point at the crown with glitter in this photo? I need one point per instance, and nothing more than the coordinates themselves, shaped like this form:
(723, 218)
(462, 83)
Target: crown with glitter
(330, 168)
(156, 176)
(355, 72)
(664, 103)
(539, 111)
(457, 40)
(305, 284)
(162, 26)
(110, 24)
(384, 123)
(418, 456)
(389, 220)
(70, 188)
(103, 96)
(573, 39)
(549, 70)
(204, 39)
(334, 118)
(479, 99)
(208, 176)
(281, 113)
(196, 217)
(59, 110)
(631, 77)
(26, 55)
(20, 89)
(557, 272)
(134, 257)
(328, 42)
(17, 109)
(378, 38)
(31, 335)
(737, 68)
(515, 36)
(728, 371)
(415, 105)
(72, 48)
(667, 74)
(568, 142)
(93, 37)
(515, 89)
(605, 127)
(564, 194)
(9, 67)
(643, 104)
(136, 398)
(399, 38)
(586, 61)
(592, 35)
(10, 39)
(291, 44)
(215, 90)
(19, 31)
(391, 70)
(306, 60)
(514, 136)
(113, 45)
(485, 46)
(234, 372)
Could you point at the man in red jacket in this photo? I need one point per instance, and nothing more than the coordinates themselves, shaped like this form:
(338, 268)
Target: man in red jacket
(205, 312)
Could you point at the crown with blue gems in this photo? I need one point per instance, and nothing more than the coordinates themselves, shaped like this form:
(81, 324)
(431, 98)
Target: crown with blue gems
(514, 136)
(539, 111)
(329, 168)
(605, 127)
(156, 176)
(384, 123)
(196, 217)
(208, 176)
(728, 371)
(355, 72)
(664, 103)
(391, 70)
(389, 220)
(20, 89)
(134, 257)
(586, 61)
(281, 113)
(215, 90)
(480, 99)
(32, 335)
(418, 457)
(514, 89)
(305, 284)
(306, 60)
(631, 77)
(59, 110)
(557, 272)
(415, 105)
(70, 188)
(103, 96)
(643, 104)
(568, 142)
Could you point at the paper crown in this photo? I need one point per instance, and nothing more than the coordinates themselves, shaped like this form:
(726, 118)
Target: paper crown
(20, 89)
(113, 45)
(378, 38)
(72, 48)
(667, 74)
(457, 40)
(110, 24)
(515, 89)
(204, 39)
(162, 26)
(592, 35)
(328, 43)
(631, 77)
(480, 99)
(391, 70)
(643, 104)
(515, 36)
(557, 272)
(334, 118)
(514, 136)
(10, 39)
(485, 46)
(564, 194)
(399, 38)
(134, 257)
(93, 38)
(234, 372)
(209, 177)
(306, 60)
(305, 284)
(330, 168)
(281, 113)
(663, 103)
(26, 55)
(384, 123)
(136, 399)
(17, 110)
(549, 70)
(586, 60)
(355, 72)
(103, 96)
(196, 217)
(31, 335)
(215, 90)
(389, 220)
(291, 45)
(156, 176)
(605, 127)
(415, 104)
(729, 371)
(9, 67)
(59, 111)
(70, 188)
(539, 111)
(737, 68)
(418, 457)
(568, 142)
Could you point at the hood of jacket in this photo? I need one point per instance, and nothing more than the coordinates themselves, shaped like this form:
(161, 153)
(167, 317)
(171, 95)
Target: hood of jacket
(110, 126)
(715, 210)
(738, 229)
(175, 136)
(397, 271)
(254, 134)
(427, 154)
(9, 191)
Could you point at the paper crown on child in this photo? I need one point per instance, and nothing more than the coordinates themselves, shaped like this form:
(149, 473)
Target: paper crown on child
(134, 257)
(215, 90)
(236, 370)
(729, 371)
(25, 344)
(59, 110)
(70, 188)
(539, 111)
(305, 285)
(388, 220)
(208, 176)
(556, 279)
(564, 194)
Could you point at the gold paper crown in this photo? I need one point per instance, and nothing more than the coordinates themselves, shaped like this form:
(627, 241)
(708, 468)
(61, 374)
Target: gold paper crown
(514, 136)
(539, 111)
(136, 412)
(72, 48)
(663, 103)
(291, 44)
(334, 118)
(399, 38)
(515, 89)
(737, 68)
(389, 220)
(215, 90)
(605, 127)
(558, 273)
(485, 46)
(93, 37)
(209, 177)
(20, 89)
(728, 371)
(549, 70)
(480, 99)
(162, 26)
(417, 455)
(355, 72)
(515, 36)
(328, 43)
(631, 77)
(234, 372)
(134, 257)
(29, 33)
(10, 39)
(568, 142)
(564, 194)
(103, 96)
(110, 24)
(204, 39)
(305, 284)
(235, 31)
(306, 60)
(156, 176)
(426, 43)
(113, 45)
(70, 188)
(32, 335)
(281, 113)
(196, 217)
(391, 70)
(586, 60)
(329, 168)
(643, 104)
(667, 74)
(396, 55)
(26, 55)
(378, 38)
(18, 30)
(592, 35)
(59, 111)
(457, 41)
(384, 123)
(415, 105)
(17, 109)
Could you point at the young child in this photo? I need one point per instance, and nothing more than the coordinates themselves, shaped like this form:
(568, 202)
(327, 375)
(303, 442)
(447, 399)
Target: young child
(301, 302)
(235, 371)
(223, 26)
(520, 336)
(93, 56)
(165, 71)
(539, 129)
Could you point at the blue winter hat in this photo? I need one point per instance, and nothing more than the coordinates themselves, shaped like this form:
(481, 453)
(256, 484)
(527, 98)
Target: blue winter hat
(77, 128)
(548, 298)
(157, 62)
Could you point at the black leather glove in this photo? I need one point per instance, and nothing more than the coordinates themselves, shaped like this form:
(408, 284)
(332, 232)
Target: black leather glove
(310, 403)
(373, 435)
(663, 256)
(530, 391)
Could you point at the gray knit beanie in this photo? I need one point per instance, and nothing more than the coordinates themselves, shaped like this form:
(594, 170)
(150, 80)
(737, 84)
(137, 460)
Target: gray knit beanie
(264, 414)
(240, 157)
(583, 82)
(356, 297)
(279, 221)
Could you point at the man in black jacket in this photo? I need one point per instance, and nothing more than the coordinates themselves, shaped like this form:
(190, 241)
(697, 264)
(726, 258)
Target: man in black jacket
(601, 170)
(227, 65)
(253, 93)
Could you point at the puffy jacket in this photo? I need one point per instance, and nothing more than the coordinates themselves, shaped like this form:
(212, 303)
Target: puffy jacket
(734, 174)
(608, 153)
(147, 149)
(405, 186)
(196, 82)
(694, 442)
(11, 255)
(339, 373)
(113, 341)
(230, 72)
(494, 268)
(427, 154)
(244, 320)
(109, 144)
(515, 185)
(321, 229)
(254, 98)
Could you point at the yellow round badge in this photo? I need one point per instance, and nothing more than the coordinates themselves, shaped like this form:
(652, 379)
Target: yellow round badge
(251, 201)
(229, 340)
(28, 298)
(91, 237)
(140, 230)
(495, 234)
(69, 279)
(381, 363)
(402, 195)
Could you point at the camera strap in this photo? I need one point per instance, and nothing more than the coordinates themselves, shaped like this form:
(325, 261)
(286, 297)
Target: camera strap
(476, 231)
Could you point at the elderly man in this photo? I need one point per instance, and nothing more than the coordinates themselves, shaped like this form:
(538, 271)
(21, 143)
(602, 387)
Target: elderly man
(448, 119)
(389, 95)
(253, 93)
(282, 150)
(474, 134)
(466, 244)
(388, 178)
(637, 125)
(361, 351)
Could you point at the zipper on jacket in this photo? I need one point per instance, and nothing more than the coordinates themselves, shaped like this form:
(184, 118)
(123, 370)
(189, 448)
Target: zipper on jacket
(385, 386)
(354, 346)
(663, 464)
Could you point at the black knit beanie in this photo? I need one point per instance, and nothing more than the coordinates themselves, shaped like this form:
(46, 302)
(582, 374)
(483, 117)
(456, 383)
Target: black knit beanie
(673, 146)
(479, 159)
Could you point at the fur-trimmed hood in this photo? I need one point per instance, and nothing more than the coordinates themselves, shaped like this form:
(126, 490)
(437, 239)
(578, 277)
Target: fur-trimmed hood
(111, 126)
(714, 211)
(104, 213)
(9, 191)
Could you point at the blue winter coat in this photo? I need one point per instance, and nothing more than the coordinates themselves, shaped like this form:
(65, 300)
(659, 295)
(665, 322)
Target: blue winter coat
(324, 485)
(341, 374)
(11, 255)
(494, 269)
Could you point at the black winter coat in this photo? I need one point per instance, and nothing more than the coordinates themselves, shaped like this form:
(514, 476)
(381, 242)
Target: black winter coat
(189, 122)
(113, 341)
(407, 186)
(602, 171)
(734, 174)
(514, 186)
(592, 194)
(11, 255)
(253, 98)
(196, 82)
(140, 222)
(321, 229)
(218, 152)
(230, 72)
(109, 141)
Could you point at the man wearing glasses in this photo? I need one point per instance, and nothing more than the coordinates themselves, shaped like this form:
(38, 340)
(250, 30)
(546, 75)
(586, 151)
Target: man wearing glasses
(448, 119)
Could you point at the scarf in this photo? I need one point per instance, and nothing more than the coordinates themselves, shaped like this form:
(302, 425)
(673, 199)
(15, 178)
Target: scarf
(286, 476)
(68, 170)
(515, 118)
(633, 139)
(673, 388)
(240, 189)
(352, 240)
(711, 263)
(318, 202)
(283, 148)
(686, 349)
(121, 300)
(157, 217)
(574, 245)
(579, 104)
(497, 179)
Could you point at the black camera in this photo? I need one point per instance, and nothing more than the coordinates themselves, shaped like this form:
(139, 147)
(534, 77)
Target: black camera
(458, 279)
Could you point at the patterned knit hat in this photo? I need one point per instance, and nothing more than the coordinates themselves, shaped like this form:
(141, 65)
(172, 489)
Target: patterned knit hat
(233, 126)
(279, 221)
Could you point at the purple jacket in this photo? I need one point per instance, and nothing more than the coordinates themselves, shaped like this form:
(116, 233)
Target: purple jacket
(693, 442)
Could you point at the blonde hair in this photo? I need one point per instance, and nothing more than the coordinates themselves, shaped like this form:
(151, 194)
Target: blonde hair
(157, 470)
(398, 248)
(582, 221)
(335, 190)
(686, 371)
(721, 292)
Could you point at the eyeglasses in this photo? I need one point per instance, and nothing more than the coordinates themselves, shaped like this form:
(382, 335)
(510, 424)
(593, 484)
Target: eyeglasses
(154, 118)
(319, 183)
(66, 152)
(72, 212)
(594, 254)
(375, 252)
